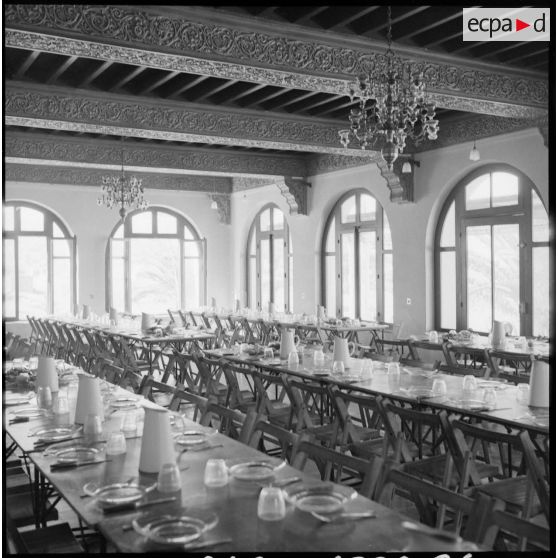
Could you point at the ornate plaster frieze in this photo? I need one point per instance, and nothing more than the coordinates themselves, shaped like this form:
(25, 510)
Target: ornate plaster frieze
(223, 202)
(401, 186)
(315, 63)
(93, 177)
(240, 183)
(321, 164)
(295, 191)
(543, 129)
(62, 109)
(229, 162)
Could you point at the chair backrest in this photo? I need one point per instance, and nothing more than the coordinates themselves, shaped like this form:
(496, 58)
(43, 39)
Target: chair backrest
(188, 372)
(182, 397)
(536, 473)
(333, 465)
(176, 317)
(435, 349)
(232, 373)
(470, 358)
(154, 390)
(263, 381)
(227, 421)
(510, 366)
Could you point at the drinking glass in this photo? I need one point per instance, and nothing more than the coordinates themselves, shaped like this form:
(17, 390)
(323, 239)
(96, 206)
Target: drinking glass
(522, 394)
(489, 398)
(394, 376)
(271, 504)
(319, 359)
(116, 444)
(268, 354)
(44, 397)
(433, 337)
(367, 370)
(292, 361)
(130, 424)
(178, 424)
(216, 473)
(33, 363)
(61, 410)
(338, 367)
(93, 428)
(168, 479)
(439, 387)
(469, 384)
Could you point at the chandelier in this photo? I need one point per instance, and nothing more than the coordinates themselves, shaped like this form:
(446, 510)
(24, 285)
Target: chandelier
(122, 191)
(392, 106)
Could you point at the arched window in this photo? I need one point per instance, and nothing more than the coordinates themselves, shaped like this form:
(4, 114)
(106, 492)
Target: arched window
(492, 254)
(270, 261)
(357, 260)
(156, 262)
(39, 262)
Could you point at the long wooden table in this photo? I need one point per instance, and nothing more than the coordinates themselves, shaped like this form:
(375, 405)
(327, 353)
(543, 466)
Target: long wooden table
(235, 504)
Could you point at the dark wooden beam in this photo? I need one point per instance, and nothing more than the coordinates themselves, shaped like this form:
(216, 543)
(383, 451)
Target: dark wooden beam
(214, 90)
(134, 73)
(28, 61)
(293, 101)
(425, 28)
(319, 103)
(246, 92)
(189, 85)
(95, 74)
(159, 82)
(394, 20)
(345, 21)
(61, 69)
(309, 15)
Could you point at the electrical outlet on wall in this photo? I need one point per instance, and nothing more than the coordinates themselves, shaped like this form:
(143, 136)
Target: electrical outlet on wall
(408, 301)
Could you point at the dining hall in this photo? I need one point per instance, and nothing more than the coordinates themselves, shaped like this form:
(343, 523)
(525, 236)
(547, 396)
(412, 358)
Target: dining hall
(277, 279)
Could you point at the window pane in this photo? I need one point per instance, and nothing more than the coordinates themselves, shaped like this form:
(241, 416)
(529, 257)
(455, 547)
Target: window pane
(192, 286)
(447, 238)
(388, 288)
(9, 278)
(505, 189)
(348, 210)
(61, 248)
(330, 238)
(252, 294)
(31, 219)
(506, 275)
(166, 223)
(62, 286)
(348, 275)
(192, 249)
(117, 248)
(387, 234)
(57, 231)
(9, 218)
(117, 271)
(188, 233)
(477, 193)
(541, 292)
(142, 223)
(448, 295)
(540, 219)
(119, 232)
(265, 274)
(479, 278)
(154, 274)
(278, 219)
(330, 285)
(33, 276)
(367, 208)
(279, 274)
(367, 276)
(265, 217)
(252, 249)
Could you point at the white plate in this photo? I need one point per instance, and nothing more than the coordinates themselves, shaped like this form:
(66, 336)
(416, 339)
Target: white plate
(114, 494)
(319, 498)
(191, 438)
(76, 454)
(56, 434)
(254, 470)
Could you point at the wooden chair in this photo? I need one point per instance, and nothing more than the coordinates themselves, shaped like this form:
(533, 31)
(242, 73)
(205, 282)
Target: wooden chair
(277, 408)
(338, 467)
(177, 318)
(536, 473)
(510, 366)
(230, 422)
(184, 401)
(158, 392)
(435, 350)
(237, 398)
(468, 359)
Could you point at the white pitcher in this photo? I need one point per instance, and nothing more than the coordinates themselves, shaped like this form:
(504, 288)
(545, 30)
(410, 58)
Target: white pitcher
(498, 335)
(289, 342)
(343, 350)
(539, 384)
(157, 445)
(89, 399)
(47, 374)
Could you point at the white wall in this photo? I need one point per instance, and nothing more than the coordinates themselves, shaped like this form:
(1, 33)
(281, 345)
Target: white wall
(412, 224)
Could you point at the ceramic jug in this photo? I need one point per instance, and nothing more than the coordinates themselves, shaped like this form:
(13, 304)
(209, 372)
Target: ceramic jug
(89, 399)
(47, 374)
(539, 384)
(289, 342)
(498, 335)
(157, 445)
(343, 350)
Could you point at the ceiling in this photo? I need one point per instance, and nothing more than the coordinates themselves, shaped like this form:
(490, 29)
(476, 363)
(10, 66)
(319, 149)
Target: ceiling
(35, 59)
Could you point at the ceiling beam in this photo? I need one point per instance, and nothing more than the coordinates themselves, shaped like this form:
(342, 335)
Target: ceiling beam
(394, 20)
(246, 92)
(285, 56)
(294, 101)
(128, 77)
(214, 90)
(61, 69)
(309, 15)
(33, 55)
(95, 74)
(345, 21)
(411, 34)
(159, 82)
(189, 85)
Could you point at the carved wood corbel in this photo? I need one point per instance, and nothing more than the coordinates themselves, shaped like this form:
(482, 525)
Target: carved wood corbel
(401, 186)
(223, 202)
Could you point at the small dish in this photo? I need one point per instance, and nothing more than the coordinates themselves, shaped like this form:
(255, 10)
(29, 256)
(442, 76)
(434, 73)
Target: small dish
(254, 470)
(191, 438)
(319, 498)
(76, 454)
(29, 412)
(124, 402)
(56, 434)
(175, 529)
(115, 494)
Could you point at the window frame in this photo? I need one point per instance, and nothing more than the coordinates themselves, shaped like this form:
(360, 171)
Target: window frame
(287, 260)
(356, 227)
(127, 235)
(520, 213)
(49, 220)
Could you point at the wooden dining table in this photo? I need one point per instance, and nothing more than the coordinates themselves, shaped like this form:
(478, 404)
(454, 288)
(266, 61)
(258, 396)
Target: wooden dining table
(235, 504)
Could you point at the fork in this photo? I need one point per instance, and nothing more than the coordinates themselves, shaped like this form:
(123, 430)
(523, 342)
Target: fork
(344, 515)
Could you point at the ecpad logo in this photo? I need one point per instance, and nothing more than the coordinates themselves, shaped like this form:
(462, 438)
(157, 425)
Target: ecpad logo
(506, 24)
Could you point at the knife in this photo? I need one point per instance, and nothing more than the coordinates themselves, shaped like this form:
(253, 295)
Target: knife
(132, 506)
(74, 464)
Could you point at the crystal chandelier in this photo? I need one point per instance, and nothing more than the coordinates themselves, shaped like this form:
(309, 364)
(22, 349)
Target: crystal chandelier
(122, 191)
(392, 107)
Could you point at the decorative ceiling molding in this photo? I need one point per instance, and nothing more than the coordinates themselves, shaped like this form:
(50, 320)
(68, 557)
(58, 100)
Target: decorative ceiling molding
(401, 186)
(223, 202)
(241, 183)
(58, 108)
(321, 164)
(468, 128)
(93, 177)
(543, 129)
(94, 151)
(315, 62)
(295, 191)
